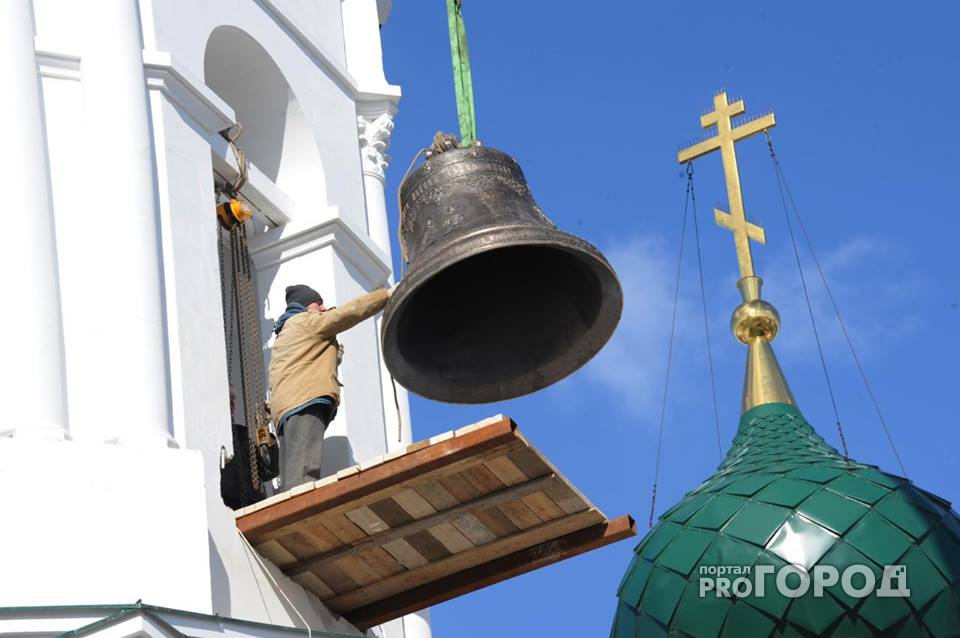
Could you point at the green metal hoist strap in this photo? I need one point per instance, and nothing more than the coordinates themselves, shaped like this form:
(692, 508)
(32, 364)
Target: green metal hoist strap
(461, 73)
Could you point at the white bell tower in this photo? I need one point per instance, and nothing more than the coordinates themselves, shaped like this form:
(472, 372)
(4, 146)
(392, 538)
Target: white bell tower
(114, 375)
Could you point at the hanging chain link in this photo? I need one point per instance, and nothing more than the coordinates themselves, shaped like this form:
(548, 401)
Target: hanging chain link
(240, 313)
(251, 355)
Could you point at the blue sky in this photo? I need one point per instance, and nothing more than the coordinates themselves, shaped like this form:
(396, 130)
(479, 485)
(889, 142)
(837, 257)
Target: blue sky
(593, 104)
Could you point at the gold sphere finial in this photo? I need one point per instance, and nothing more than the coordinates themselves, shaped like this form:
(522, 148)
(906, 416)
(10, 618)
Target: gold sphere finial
(755, 319)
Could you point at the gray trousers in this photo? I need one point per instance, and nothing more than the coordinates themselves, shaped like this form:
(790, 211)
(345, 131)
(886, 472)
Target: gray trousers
(301, 446)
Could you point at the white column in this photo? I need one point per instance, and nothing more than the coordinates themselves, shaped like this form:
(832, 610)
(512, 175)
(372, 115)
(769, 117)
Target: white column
(375, 126)
(122, 201)
(31, 372)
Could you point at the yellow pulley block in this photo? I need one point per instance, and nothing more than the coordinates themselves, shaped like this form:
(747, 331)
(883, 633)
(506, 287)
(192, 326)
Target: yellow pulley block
(233, 212)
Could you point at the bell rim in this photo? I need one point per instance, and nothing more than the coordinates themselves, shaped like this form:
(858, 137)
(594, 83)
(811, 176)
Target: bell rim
(486, 240)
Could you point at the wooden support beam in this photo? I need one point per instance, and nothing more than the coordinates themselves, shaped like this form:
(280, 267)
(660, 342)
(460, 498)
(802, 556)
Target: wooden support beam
(440, 569)
(489, 500)
(491, 572)
(349, 491)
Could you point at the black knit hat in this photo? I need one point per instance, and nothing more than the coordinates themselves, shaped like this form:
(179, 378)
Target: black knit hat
(303, 295)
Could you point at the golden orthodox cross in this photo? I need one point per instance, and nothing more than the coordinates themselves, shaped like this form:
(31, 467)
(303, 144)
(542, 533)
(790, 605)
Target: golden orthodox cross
(735, 220)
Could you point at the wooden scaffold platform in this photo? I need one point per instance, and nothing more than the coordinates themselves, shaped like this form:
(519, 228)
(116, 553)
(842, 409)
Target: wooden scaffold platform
(438, 519)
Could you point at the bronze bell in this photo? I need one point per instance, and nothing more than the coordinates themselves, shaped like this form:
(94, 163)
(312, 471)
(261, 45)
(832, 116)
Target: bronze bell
(497, 302)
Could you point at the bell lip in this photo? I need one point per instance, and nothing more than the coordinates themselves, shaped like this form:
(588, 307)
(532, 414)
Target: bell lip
(482, 241)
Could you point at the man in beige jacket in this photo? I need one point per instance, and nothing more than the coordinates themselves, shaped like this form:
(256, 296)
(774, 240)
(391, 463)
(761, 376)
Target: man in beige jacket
(304, 389)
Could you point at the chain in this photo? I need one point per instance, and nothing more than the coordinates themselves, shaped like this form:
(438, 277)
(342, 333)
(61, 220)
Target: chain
(245, 303)
(226, 303)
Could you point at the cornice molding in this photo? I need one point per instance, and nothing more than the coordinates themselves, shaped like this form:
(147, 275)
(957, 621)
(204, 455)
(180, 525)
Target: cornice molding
(56, 64)
(293, 240)
(166, 74)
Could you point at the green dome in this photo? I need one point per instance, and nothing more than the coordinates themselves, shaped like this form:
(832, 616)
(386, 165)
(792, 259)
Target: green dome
(783, 496)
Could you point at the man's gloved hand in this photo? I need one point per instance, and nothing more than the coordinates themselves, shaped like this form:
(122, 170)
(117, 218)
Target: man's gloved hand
(391, 289)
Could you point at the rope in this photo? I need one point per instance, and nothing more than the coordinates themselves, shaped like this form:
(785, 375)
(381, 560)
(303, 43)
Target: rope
(462, 80)
(673, 329)
(403, 246)
(836, 309)
(442, 142)
(396, 404)
(239, 156)
(806, 296)
(703, 298)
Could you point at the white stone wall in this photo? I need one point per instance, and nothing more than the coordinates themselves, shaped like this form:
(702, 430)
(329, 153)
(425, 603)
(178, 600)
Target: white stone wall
(113, 465)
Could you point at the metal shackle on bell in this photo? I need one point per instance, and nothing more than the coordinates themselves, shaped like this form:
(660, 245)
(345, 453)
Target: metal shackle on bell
(497, 302)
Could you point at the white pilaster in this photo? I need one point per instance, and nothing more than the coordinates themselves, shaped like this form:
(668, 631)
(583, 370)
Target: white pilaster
(31, 375)
(361, 34)
(122, 198)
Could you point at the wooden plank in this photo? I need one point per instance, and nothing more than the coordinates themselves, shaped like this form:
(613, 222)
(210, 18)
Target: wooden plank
(493, 571)
(365, 519)
(385, 479)
(453, 540)
(483, 479)
(428, 546)
(434, 493)
(459, 486)
(404, 553)
(312, 583)
(507, 471)
(344, 529)
(519, 514)
(494, 520)
(475, 531)
(382, 562)
(457, 562)
(323, 538)
(529, 462)
(578, 496)
(299, 545)
(543, 506)
(358, 570)
(565, 498)
(334, 577)
(364, 542)
(414, 504)
(276, 553)
(391, 513)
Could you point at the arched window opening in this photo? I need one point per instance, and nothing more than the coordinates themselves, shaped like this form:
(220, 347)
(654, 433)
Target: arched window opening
(278, 141)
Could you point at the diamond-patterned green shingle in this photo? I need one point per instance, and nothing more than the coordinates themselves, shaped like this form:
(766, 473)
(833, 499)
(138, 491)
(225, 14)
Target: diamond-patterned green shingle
(757, 523)
(801, 542)
(783, 495)
(662, 594)
(701, 617)
(859, 488)
(717, 511)
(787, 492)
(833, 511)
(878, 539)
(744, 620)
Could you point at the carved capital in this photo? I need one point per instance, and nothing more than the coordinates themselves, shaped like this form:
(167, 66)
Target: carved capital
(374, 133)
